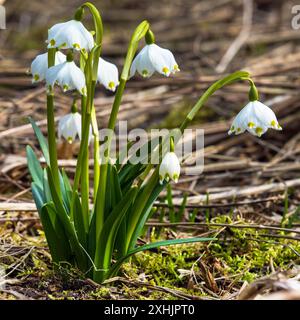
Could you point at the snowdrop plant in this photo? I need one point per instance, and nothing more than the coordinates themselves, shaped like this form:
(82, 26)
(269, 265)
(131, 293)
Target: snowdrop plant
(96, 229)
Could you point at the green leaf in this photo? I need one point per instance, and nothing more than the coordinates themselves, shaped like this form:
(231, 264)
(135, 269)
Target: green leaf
(106, 241)
(143, 217)
(108, 193)
(38, 196)
(120, 243)
(154, 245)
(80, 255)
(34, 167)
(41, 139)
(66, 189)
(91, 242)
(78, 220)
(56, 238)
(46, 188)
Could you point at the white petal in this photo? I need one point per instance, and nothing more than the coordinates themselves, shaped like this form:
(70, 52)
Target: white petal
(70, 34)
(108, 74)
(256, 118)
(133, 68)
(169, 59)
(142, 63)
(169, 167)
(52, 74)
(158, 60)
(68, 76)
(59, 58)
(67, 126)
(39, 65)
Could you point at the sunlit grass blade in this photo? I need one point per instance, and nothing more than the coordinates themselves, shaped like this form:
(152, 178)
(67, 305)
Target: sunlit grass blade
(154, 245)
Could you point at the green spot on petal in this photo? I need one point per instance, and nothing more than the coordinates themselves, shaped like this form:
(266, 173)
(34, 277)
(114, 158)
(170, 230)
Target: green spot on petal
(259, 131)
(112, 86)
(76, 46)
(165, 70)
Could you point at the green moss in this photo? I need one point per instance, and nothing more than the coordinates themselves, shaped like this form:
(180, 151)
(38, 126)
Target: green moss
(239, 255)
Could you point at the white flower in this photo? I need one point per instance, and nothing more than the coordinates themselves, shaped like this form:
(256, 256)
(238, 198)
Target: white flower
(69, 127)
(39, 65)
(67, 75)
(108, 74)
(153, 58)
(169, 167)
(256, 118)
(70, 34)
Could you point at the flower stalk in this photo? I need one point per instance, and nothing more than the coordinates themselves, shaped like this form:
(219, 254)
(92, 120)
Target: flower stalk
(51, 127)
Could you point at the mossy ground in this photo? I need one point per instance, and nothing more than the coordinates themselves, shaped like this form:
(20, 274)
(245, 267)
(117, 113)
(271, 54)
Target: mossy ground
(211, 270)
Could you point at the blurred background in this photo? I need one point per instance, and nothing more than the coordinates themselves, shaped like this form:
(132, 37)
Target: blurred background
(208, 38)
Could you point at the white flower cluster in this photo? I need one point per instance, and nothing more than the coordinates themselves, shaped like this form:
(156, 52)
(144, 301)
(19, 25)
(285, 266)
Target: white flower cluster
(73, 35)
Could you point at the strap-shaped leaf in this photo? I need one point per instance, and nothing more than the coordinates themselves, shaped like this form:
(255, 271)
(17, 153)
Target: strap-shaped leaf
(144, 214)
(108, 193)
(120, 243)
(56, 238)
(78, 220)
(38, 196)
(66, 190)
(34, 167)
(80, 255)
(154, 245)
(106, 241)
(46, 188)
(41, 139)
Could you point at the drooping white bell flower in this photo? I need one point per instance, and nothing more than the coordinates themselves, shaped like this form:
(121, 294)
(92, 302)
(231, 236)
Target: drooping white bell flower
(108, 74)
(256, 118)
(154, 58)
(39, 65)
(68, 76)
(69, 127)
(169, 168)
(70, 34)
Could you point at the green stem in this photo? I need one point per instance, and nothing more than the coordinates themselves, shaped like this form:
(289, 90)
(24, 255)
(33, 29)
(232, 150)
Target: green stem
(234, 77)
(97, 21)
(96, 152)
(51, 128)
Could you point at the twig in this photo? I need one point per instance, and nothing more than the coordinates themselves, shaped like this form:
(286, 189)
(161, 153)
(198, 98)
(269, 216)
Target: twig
(241, 38)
